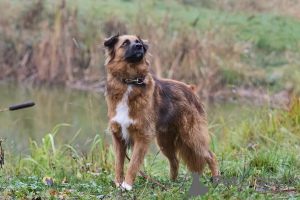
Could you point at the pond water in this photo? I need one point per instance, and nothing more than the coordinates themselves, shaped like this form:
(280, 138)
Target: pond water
(82, 110)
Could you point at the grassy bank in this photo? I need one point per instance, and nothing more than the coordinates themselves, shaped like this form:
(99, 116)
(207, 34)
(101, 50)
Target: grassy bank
(212, 44)
(265, 145)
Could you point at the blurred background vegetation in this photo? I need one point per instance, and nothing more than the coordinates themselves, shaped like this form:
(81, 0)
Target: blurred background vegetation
(224, 47)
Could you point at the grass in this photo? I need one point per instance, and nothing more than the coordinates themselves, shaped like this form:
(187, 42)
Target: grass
(265, 145)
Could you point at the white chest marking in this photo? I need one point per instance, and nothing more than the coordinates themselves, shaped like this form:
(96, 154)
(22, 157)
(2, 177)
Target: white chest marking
(122, 116)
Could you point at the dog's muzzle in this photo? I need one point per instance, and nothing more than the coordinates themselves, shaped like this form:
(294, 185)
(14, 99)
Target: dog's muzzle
(135, 53)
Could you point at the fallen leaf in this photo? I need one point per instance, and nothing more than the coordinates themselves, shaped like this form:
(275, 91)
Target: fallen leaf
(64, 180)
(48, 180)
(100, 196)
(53, 192)
(291, 191)
(70, 191)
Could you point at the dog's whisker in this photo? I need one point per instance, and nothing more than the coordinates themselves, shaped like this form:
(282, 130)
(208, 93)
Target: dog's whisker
(150, 54)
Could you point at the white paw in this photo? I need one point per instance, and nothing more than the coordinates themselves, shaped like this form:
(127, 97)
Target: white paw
(126, 186)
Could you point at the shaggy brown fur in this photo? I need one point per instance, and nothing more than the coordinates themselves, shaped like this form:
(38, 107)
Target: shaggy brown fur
(167, 110)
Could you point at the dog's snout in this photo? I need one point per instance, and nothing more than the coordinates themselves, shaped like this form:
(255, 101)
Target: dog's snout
(138, 46)
(135, 52)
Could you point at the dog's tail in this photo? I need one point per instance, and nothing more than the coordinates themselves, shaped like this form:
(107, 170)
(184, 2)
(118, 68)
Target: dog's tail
(196, 155)
(193, 88)
(194, 162)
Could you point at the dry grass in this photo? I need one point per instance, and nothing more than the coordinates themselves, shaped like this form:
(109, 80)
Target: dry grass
(37, 44)
(55, 58)
(45, 51)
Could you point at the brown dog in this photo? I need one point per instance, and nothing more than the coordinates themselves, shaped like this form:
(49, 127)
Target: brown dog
(142, 107)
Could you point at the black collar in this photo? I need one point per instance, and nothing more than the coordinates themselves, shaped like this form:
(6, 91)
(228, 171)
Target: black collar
(139, 81)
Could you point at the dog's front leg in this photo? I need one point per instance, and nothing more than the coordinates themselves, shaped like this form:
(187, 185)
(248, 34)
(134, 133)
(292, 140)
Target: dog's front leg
(139, 150)
(120, 150)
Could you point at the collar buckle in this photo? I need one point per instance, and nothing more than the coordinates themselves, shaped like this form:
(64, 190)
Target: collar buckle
(136, 81)
(140, 80)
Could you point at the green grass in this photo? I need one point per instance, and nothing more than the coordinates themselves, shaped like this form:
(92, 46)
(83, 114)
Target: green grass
(267, 36)
(267, 144)
(271, 32)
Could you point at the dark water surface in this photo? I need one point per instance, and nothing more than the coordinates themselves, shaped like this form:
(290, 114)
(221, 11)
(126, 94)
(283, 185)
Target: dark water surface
(83, 110)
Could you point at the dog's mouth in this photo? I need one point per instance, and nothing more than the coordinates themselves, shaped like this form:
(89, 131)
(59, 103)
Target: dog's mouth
(138, 55)
(135, 57)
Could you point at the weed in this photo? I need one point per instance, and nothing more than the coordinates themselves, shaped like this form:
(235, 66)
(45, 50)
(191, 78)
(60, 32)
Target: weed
(259, 147)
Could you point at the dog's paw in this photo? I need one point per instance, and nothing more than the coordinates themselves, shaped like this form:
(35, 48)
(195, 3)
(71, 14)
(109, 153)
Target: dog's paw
(126, 186)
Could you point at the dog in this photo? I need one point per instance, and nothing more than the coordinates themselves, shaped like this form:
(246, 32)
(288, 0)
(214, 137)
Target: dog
(142, 107)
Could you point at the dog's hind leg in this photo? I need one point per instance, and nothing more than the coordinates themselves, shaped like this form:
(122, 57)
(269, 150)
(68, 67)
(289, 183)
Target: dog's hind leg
(167, 146)
(212, 163)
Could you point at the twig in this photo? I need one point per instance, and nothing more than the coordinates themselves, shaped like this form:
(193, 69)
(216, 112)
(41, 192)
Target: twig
(147, 177)
(74, 40)
(154, 158)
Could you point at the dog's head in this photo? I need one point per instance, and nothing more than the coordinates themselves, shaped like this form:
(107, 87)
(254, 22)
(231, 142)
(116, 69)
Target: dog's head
(125, 54)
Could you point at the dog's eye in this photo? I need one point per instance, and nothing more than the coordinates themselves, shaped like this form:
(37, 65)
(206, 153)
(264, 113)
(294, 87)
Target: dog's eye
(126, 42)
(137, 41)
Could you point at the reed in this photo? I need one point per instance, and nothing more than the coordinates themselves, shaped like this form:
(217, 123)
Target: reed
(218, 44)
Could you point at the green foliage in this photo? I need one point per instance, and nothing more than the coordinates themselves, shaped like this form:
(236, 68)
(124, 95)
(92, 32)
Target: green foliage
(266, 144)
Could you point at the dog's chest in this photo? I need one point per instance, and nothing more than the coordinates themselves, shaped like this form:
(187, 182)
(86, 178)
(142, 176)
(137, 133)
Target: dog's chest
(122, 114)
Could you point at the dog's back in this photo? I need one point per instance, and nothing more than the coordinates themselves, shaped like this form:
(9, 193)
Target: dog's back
(177, 99)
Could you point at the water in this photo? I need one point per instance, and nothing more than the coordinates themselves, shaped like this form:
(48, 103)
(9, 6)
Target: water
(83, 110)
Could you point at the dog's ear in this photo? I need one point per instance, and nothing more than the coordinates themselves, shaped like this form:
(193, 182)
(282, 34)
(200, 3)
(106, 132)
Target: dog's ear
(144, 43)
(109, 45)
(111, 42)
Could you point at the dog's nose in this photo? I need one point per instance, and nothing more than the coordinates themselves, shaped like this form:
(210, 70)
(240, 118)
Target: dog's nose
(138, 46)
